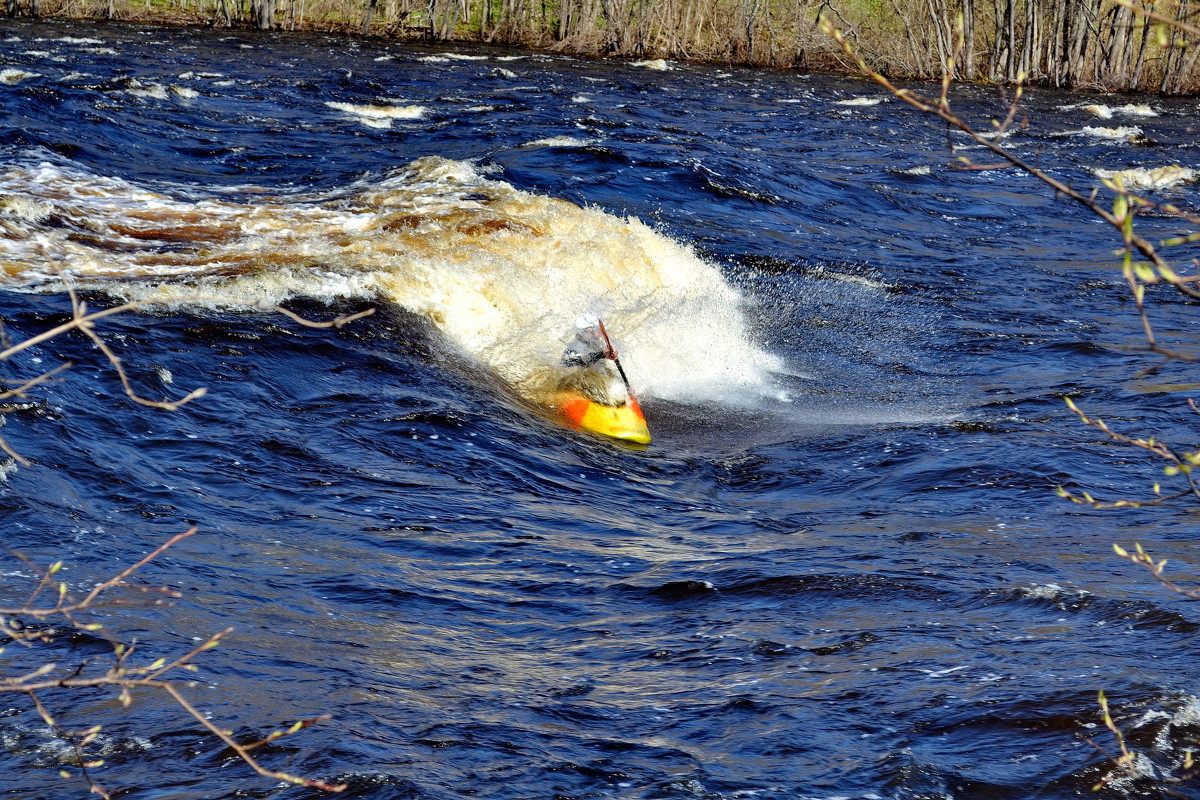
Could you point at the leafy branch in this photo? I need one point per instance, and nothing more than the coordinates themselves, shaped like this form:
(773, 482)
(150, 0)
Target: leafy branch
(1156, 568)
(1120, 217)
(1143, 263)
(1124, 762)
(1178, 463)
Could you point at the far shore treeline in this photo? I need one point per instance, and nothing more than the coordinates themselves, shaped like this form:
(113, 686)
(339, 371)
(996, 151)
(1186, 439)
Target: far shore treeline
(1082, 44)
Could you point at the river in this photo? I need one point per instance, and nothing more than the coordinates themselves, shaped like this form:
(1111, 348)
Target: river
(840, 569)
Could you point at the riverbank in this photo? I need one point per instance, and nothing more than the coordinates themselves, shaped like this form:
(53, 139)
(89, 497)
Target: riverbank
(1094, 44)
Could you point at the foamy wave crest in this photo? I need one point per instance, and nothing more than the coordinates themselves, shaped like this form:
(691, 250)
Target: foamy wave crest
(11, 76)
(1102, 111)
(660, 64)
(502, 272)
(379, 116)
(158, 91)
(1146, 178)
(1136, 110)
(1119, 132)
(153, 91)
(560, 141)
(859, 101)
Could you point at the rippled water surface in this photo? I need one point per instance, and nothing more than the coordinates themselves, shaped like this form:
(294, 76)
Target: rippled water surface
(839, 571)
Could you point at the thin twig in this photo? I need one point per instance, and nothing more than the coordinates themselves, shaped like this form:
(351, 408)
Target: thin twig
(333, 323)
(119, 675)
(1156, 568)
(85, 325)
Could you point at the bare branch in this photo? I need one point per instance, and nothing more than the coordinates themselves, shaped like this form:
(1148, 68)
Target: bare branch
(32, 382)
(119, 675)
(334, 323)
(87, 326)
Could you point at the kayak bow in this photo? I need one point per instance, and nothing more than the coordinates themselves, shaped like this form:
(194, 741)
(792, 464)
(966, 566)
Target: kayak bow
(624, 421)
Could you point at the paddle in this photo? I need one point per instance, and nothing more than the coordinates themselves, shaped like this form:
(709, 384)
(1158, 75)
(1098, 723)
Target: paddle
(611, 352)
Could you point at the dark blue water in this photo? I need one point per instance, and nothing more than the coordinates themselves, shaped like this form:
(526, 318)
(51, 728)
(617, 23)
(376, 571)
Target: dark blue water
(851, 580)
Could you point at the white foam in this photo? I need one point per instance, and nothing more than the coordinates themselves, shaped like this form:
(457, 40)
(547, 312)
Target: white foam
(655, 63)
(1101, 111)
(11, 76)
(1120, 132)
(1049, 591)
(859, 101)
(1148, 178)
(559, 141)
(501, 272)
(1140, 110)
(380, 116)
(152, 91)
(1189, 713)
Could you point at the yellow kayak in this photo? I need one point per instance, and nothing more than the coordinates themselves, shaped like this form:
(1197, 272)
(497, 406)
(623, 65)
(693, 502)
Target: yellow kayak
(589, 390)
(624, 421)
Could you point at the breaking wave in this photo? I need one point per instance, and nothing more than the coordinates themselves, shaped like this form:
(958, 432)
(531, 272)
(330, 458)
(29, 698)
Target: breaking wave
(503, 273)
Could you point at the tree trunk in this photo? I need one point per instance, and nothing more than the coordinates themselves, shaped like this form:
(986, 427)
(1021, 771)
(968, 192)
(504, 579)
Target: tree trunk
(565, 8)
(1082, 17)
(1010, 18)
(968, 17)
(1136, 80)
(1189, 62)
(936, 20)
(921, 66)
(1030, 44)
(614, 34)
(997, 55)
(263, 13)
(1116, 65)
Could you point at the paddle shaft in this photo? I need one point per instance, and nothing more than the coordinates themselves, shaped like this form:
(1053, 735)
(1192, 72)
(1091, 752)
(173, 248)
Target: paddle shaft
(612, 353)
